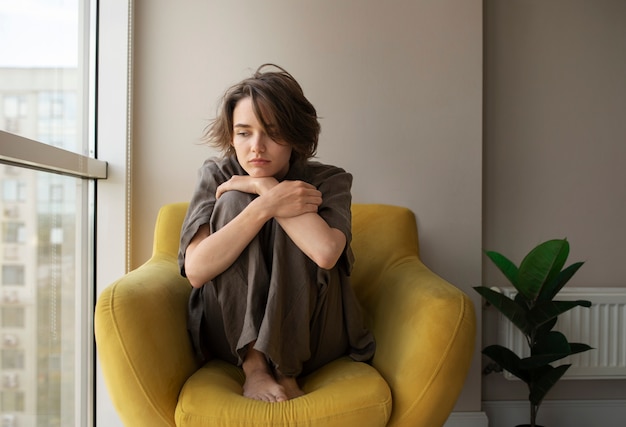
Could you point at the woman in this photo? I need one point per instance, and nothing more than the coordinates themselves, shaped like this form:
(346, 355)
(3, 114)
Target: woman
(266, 243)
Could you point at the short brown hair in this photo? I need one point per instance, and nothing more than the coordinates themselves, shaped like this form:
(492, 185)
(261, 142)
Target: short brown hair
(278, 100)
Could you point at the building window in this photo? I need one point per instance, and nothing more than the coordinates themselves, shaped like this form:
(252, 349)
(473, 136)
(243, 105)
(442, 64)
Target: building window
(15, 112)
(13, 274)
(12, 317)
(56, 193)
(12, 401)
(12, 358)
(13, 232)
(13, 191)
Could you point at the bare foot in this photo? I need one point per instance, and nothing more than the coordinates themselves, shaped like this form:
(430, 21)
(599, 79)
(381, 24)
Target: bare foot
(260, 384)
(292, 389)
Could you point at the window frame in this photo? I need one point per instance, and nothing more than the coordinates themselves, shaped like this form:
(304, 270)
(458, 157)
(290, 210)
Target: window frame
(114, 143)
(109, 122)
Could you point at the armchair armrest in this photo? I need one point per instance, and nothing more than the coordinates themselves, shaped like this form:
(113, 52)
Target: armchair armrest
(142, 340)
(425, 330)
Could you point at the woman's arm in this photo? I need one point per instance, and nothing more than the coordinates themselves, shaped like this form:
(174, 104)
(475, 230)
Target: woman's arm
(208, 255)
(323, 244)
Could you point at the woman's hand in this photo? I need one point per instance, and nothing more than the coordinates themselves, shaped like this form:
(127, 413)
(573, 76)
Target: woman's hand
(289, 199)
(246, 184)
(284, 199)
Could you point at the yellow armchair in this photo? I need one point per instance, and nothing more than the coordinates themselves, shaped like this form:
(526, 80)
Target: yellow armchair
(424, 328)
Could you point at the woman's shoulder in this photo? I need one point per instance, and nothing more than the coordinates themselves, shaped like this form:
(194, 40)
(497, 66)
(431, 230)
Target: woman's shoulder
(316, 167)
(321, 171)
(225, 167)
(218, 162)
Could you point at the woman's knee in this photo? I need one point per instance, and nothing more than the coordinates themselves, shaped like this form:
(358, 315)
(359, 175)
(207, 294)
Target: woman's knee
(229, 205)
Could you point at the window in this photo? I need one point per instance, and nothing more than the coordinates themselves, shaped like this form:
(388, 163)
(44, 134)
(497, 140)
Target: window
(52, 56)
(13, 232)
(13, 190)
(12, 275)
(47, 184)
(12, 359)
(12, 317)
(15, 112)
(12, 401)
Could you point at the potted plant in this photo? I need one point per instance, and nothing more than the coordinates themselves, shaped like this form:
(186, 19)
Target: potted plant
(533, 310)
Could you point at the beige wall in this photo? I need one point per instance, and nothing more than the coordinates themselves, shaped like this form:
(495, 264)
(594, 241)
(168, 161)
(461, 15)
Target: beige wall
(398, 85)
(555, 147)
(399, 88)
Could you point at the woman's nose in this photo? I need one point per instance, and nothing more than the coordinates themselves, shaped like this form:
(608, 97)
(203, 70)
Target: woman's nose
(258, 144)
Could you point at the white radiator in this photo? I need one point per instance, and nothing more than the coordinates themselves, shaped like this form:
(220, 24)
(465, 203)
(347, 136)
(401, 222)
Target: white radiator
(602, 326)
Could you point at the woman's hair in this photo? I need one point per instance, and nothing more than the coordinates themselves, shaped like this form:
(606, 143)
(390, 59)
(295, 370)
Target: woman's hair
(279, 105)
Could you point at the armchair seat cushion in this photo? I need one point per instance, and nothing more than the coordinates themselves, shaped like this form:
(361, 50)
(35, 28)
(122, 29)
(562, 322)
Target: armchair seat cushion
(342, 393)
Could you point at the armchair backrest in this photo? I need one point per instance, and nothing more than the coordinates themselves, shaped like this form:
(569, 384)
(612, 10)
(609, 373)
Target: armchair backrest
(167, 229)
(382, 237)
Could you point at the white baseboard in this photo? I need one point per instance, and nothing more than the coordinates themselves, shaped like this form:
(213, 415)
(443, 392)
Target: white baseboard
(467, 419)
(558, 413)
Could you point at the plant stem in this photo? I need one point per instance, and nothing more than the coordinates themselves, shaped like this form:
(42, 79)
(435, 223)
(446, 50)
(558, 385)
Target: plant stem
(533, 414)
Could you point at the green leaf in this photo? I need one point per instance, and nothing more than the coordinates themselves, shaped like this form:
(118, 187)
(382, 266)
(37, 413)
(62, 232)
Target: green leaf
(541, 385)
(541, 266)
(509, 308)
(548, 310)
(577, 347)
(545, 328)
(523, 301)
(549, 348)
(549, 291)
(533, 363)
(508, 360)
(550, 343)
(505, 265)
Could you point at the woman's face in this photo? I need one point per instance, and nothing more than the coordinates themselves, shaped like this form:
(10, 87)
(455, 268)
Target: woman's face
(257, 153)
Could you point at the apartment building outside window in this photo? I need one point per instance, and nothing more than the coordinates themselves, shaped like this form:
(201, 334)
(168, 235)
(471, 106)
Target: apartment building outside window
(47, 99)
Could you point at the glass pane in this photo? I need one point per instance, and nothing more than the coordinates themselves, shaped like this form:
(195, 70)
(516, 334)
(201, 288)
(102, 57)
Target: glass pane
(44, 67)
(44, 249)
